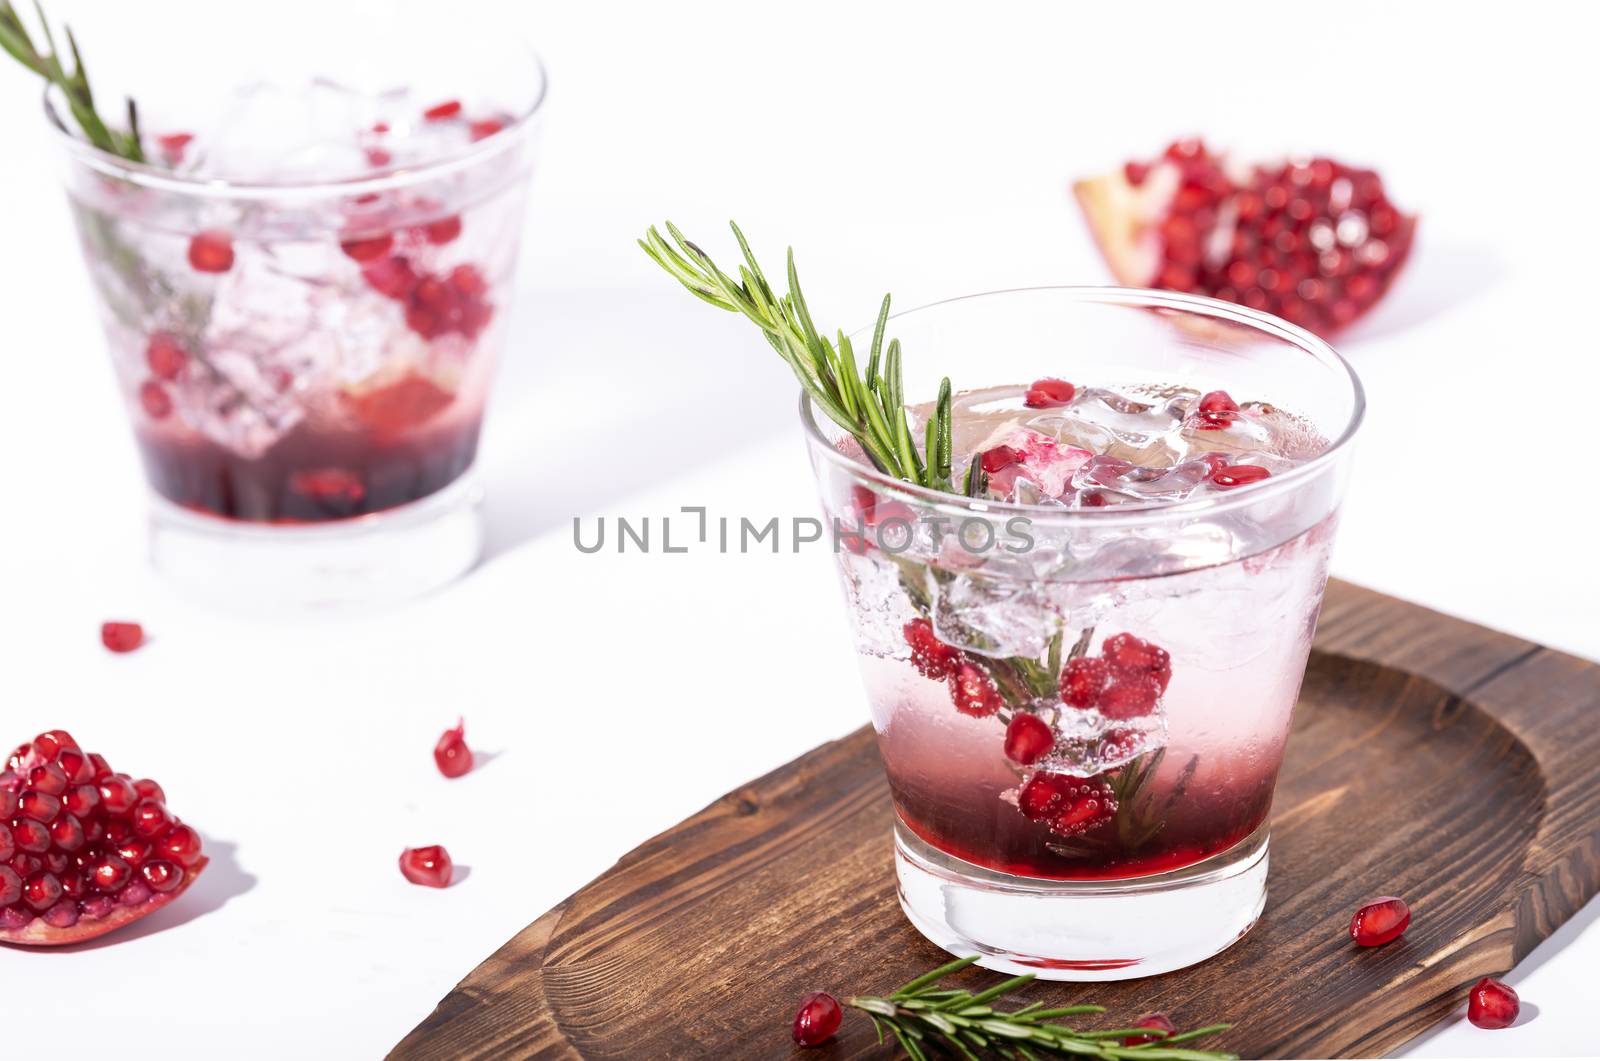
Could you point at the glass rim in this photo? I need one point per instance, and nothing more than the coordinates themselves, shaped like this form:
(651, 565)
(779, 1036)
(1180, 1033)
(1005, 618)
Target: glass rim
(1139, 512)
(147, 175)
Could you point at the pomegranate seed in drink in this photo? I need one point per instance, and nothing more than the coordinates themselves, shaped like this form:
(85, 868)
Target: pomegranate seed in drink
(451, 753)
(484, 128)
(442, 112)
(1232, 475)
(443, 230)
(121, 637)
(933, 658)
(1028, 739)
(211, 251)
(165, 355)
(972, 692)
(817, 1019)
(1492, 1004)
(427, 866)
(1380, 921)
(1083, 680)
(154, 399)
(366, 249)
(1049, 393)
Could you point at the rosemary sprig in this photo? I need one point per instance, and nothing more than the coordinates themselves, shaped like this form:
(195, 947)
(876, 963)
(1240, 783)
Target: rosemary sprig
(919, 1015)
(73, 84)
(870, 404)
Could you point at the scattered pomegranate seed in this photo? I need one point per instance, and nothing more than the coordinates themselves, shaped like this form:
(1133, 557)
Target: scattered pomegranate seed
(933, 658)
(165, 355)
(451, 753)
(173, 146)
(121, 637)
(1049, 393)
(380, 128)
(1000, 457)
(1028, 739)
(972, 692)
(443, 230)
(1082, 681)
(81, 856)
(367, 248)
(391, 276)
(1380, 921)
(484, 128)
(1492, 1004)
(155, 400)
(1216, 410)
(211, 251)
(441, 112)
(817, 1019)
(428, 866)
(1231, 475)
(1158, 1021)
(378, 157)
(1129, 698)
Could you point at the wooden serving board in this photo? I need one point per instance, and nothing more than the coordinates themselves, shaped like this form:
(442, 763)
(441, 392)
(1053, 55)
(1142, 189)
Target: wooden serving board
(1432, 759)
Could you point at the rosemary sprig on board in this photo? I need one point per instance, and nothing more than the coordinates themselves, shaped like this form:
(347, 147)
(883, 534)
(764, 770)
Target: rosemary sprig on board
(869, 404)
(919, 1016)
(73, 84)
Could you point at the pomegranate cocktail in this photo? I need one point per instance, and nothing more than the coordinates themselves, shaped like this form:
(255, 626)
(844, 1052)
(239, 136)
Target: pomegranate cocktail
(1083, 589)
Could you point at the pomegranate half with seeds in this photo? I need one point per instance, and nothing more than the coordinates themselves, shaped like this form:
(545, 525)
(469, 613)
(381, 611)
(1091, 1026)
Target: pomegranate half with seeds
(1312, 240)
(84, 850)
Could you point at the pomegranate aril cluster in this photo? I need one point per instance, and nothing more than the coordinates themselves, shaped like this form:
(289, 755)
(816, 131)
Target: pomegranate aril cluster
(1126, 680)
(79, 841)
(1314, 241)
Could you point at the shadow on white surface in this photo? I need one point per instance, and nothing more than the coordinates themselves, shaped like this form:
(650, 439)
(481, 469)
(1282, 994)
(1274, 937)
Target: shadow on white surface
(221, 881)
(1438, 279)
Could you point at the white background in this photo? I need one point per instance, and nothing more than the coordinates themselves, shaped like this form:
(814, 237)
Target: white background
(921, 148)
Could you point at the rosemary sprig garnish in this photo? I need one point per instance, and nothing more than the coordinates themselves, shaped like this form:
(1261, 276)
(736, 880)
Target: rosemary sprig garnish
(870, 404)
(73, 84)
(919, 1015)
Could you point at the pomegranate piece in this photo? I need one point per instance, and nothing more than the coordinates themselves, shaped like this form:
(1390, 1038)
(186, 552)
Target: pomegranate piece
(972, 692)
(1157, 1021)
(428, 866)
(451, 753)
(80, 857)
(933, 658)
(1216, 411)
(1000, 457)
(165, 355)
(1049, 393)
(1492, 1004)
(121, 637)
(443, 112)
(1314, 241)
(817, 1019)
(1380, 921)
(156, 401)
(1028, 739)
(1228, 476)
(211, 251)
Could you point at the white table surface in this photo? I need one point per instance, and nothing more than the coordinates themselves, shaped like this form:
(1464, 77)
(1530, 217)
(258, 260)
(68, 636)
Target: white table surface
(937, 145)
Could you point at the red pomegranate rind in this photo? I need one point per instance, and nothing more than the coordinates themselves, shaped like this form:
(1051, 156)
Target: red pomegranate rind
(38, 933)
(1314, 241)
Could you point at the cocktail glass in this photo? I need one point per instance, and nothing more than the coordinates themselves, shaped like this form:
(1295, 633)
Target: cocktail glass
(1109, 835)
(305, 290)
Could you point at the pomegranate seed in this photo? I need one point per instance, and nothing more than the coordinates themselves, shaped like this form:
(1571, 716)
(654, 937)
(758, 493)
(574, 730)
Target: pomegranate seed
(451, 753)
(121, 637)
(63, 914)
(82, 800)
(75, 766)
(149, 819)
(443, 230)
(117, 796)
(484, 128)
(367, 248)
(181, 844)
(41, 892)
(1492, 1004)
(1129, 698)
(10, 886)
(1232, 475)
(1380, 921)
(66, 832)
(1040, 797)
(440, 112)
(134, 852)
(135, 894)
(1028, 739)
(1158, 1021)
(428, 866)
(1082, 681)
(972, 692)
(211, 251)
(1000, 457)
(392, 277)
(378, 157)
(161, 876)
(1135, 172)
(148, 788)
(153, 397)
(102, 769)
(1069, 806)
(165, 355)
(173, 145)
(48, 778)
(30, 836)
(109, 873)
(379, 128)
(1049, 393)
(1130, 656)
(817, 1019)
(39, 806)
(933, 658)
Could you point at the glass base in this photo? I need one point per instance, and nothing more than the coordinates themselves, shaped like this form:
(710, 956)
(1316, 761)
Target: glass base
(1082, 930)
(377, 559)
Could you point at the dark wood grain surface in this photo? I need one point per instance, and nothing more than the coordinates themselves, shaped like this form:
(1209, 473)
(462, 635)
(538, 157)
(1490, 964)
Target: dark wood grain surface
(1431, 758)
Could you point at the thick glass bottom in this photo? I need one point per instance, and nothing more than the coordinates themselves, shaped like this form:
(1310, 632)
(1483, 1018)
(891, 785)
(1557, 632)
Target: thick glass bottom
(1083, 930)
(376, 559)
